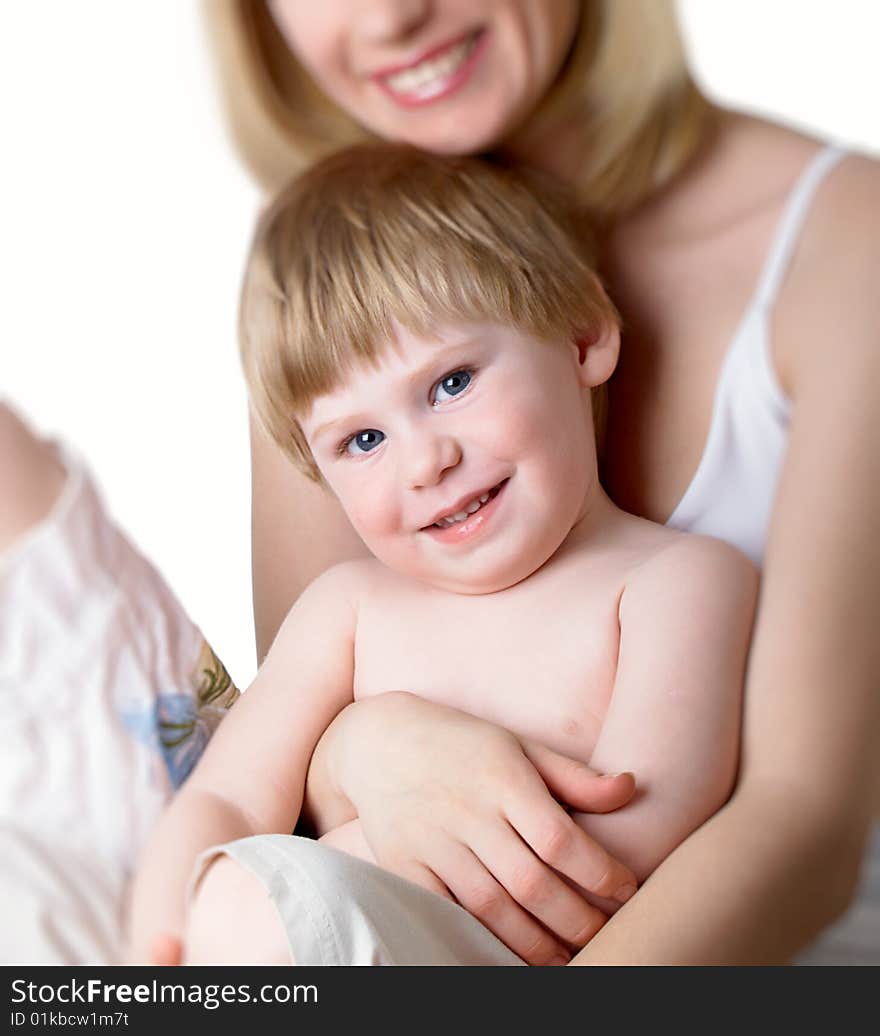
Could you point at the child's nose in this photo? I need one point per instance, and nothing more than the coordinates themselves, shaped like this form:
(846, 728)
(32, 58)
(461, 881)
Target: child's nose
(428, 457)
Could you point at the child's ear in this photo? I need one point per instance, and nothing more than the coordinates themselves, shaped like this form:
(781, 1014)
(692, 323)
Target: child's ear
(597, 354)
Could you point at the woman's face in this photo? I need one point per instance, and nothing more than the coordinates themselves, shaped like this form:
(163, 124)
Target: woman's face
(449, 76)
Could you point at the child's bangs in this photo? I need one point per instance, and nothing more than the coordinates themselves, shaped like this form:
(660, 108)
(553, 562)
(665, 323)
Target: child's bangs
(382, 236)
(422, 259)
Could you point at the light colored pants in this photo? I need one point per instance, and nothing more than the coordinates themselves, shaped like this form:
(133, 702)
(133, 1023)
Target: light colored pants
(340, 910)
(337, 910)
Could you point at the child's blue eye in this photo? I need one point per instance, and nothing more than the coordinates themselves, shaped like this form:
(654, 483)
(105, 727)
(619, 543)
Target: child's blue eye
(362, 442)
(453, 384)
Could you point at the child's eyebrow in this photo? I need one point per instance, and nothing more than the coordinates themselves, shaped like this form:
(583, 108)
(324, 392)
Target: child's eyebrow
(337, 422)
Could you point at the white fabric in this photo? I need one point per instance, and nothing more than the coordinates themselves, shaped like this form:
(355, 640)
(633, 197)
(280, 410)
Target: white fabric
(731, 494)
(338, 910)
(95, 652)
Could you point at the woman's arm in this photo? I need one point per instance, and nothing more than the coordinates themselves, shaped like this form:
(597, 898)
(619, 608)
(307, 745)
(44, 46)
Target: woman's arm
(298, 531)
(780, 861)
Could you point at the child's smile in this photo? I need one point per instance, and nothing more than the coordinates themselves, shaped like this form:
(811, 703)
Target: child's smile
(470, 519)
(465, 458)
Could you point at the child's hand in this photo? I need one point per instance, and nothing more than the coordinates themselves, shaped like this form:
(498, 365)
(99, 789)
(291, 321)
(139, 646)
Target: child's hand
(463, 807)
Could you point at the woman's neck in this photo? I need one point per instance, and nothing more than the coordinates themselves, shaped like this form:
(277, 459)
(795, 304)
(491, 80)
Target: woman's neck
(722, 167)
(743, 165)
(555, 149)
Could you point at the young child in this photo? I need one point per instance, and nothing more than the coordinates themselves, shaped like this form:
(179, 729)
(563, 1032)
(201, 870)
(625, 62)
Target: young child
(425, 335)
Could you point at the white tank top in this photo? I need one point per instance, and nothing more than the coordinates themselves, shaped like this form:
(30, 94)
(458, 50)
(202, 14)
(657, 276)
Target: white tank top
(731, 494)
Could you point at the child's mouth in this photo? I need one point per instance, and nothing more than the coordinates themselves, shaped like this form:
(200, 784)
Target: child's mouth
(462, 525)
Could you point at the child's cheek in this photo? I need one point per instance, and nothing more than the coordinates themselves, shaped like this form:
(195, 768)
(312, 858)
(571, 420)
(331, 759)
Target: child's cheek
(375, 515)
(510, 430)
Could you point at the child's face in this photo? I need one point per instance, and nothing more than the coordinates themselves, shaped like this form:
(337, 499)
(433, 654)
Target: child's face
(476, 410)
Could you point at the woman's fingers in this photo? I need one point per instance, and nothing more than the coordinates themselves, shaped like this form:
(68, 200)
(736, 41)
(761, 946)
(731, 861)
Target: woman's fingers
(539, 890)
(166, 951)
(578, 785)
(421, 875)
(452, 779)
(489, 902)
(557, 840)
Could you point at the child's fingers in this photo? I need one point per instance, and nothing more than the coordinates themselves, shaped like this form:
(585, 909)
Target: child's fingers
(578, 785)
(166, 951)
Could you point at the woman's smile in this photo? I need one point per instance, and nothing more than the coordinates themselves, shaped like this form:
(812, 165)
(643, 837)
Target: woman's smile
(435, 75)
(454, 77)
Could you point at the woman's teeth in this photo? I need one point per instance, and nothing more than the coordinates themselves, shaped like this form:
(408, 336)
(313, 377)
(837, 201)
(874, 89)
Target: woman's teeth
(430, 76)
(460, 516)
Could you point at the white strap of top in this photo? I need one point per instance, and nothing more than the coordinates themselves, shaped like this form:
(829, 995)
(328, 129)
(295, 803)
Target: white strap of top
(792, 220)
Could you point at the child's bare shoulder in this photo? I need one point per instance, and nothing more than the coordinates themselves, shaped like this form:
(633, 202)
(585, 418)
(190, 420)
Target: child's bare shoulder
(344, 590)
(704, 556)
(686, 567)
(349, 578)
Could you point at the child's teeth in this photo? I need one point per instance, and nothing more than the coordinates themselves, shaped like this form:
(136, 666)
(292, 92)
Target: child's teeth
(460, 516)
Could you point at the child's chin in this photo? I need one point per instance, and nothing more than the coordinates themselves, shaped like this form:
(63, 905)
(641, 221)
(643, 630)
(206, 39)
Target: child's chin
(474, 584)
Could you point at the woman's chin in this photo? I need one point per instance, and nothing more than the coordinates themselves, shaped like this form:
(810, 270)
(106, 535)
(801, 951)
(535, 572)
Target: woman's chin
(457, 132)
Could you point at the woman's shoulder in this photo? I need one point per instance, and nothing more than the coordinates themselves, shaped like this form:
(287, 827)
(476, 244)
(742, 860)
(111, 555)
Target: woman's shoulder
(847, 211)
(830, 293)
(779, 154)
(741, 178)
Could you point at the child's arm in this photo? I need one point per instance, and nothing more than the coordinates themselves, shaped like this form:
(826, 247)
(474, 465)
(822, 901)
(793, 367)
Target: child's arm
(675, 713)
(251, 777)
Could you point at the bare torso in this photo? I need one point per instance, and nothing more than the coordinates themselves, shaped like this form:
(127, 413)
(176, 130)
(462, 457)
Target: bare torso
(538, 659)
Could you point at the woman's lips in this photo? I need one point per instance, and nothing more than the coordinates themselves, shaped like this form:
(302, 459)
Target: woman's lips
(473, 524)
(435, 76)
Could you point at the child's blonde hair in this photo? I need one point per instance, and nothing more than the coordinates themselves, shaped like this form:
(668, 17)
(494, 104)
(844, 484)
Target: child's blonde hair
(382, 233)
(625, 83)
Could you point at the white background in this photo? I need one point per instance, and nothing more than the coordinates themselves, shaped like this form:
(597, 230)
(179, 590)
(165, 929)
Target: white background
(124, 219)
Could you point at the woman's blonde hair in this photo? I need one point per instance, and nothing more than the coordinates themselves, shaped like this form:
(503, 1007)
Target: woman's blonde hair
(625, 79)
(382, 235)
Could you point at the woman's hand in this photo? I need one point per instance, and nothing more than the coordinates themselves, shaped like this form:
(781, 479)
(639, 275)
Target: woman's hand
(166, 952)
(466, 809)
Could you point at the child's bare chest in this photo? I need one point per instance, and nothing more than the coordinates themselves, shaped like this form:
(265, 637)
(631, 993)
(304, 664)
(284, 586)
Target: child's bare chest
(539, 663)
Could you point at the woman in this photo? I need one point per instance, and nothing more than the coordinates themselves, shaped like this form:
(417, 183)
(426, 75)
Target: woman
(713, 222)
(691, 199)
